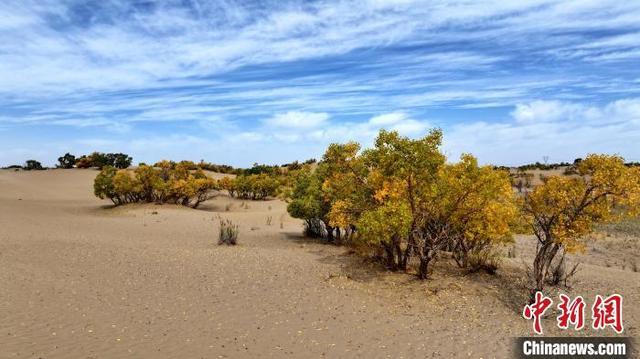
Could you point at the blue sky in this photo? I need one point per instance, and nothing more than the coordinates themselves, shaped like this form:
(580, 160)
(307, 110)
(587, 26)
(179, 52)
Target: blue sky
(239, 82)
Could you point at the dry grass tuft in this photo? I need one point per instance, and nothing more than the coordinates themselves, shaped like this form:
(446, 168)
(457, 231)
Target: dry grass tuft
(228, 233)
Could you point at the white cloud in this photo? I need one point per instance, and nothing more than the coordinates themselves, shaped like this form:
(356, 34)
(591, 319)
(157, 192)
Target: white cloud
(397, 121)
(624, 110)
(561, 130)
(410, 128)
(561, 111)
(317, 129)
(387, 119)
(612, 127)
(297, 120)
(361, 131)
(248, 137)
(544, 111)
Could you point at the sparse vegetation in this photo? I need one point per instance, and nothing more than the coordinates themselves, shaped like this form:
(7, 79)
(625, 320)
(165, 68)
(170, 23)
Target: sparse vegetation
(543, 166)
(228, 233)
(558, 273)
(402, 203)
(486, 259)
(522, 180)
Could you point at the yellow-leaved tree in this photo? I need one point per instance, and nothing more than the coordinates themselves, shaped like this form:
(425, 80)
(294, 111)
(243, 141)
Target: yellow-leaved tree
(325, 197)
(469, 209)
(344, 187)
(402, 199)
(379, 192)
(564, 209)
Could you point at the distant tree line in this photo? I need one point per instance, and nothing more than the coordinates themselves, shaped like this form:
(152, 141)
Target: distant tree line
(95, 159)
(100, 160)
(569, 167)
(29, 165)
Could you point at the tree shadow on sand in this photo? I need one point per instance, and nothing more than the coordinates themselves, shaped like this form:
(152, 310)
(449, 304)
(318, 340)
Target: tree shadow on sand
(507, 286)
(349, 264)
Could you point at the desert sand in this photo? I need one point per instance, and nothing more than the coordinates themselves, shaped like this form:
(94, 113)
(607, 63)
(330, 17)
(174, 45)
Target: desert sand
(80, 279)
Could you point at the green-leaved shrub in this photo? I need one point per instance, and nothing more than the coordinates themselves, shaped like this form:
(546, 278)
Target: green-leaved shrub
(32, 165)
(101, 160)
(254, 187)
(66, 161)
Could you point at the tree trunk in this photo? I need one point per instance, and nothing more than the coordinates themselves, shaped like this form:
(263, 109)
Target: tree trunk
(329, 233)
(545, 255)
(402, 260)
(408, 252)
(389, 256)
(423, 269)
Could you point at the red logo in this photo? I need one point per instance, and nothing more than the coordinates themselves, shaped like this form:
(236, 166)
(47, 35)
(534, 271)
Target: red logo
(571, 312)
(536, 310)
(606, 312)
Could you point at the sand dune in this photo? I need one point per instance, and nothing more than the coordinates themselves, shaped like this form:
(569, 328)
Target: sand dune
(79, 279)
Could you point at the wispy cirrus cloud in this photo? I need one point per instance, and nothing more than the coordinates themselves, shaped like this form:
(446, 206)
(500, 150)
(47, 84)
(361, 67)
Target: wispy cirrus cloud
(318, 71)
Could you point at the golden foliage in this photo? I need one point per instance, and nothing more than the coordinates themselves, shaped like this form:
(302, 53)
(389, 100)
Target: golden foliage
(169, 183)
(565, 209)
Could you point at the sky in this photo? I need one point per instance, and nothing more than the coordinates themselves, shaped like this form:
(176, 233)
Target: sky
(238, 82)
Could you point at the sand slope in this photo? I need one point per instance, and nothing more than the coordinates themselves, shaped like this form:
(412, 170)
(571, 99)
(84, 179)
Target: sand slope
(81, 280)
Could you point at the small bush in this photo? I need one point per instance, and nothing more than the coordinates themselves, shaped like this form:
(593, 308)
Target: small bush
(228, 233)
(84, 162)
(487, 259)
(258, 169)
(253, 187)
(558, 273)
(218, 168)
(66, 161)
(33, 165)
(119, 160)
(315, 228)
(12, 167)
(101, 160)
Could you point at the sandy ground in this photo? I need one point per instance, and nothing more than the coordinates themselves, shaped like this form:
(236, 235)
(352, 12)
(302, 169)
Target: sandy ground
(81, 280)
